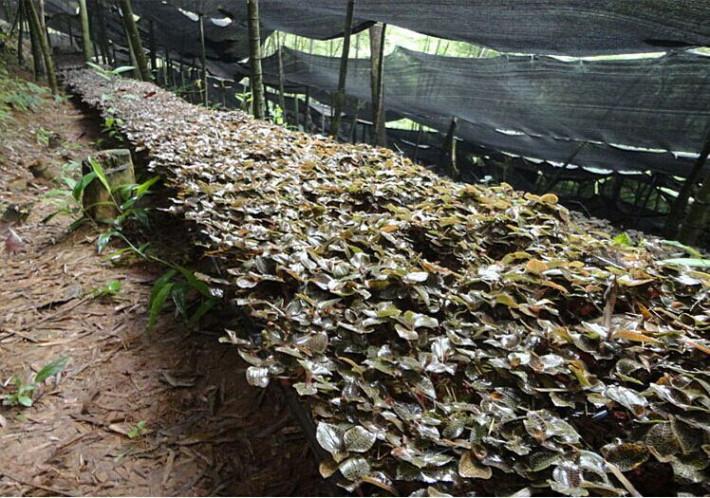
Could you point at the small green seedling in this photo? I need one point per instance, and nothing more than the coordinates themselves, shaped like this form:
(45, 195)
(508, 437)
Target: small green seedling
(24, 391)
(138, 430)
(112, 288)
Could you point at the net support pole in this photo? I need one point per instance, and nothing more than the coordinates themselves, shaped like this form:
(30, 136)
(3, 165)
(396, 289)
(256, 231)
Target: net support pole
(377, 59)
(36, 26)
(308, 118)
(257, 77)
(135, 39)
(86, 46)
(203, 62)
(419, 141)
(103, 37)
(698, 216)
(343, 75)
(153, 49)
(450, 151)
(681, 204)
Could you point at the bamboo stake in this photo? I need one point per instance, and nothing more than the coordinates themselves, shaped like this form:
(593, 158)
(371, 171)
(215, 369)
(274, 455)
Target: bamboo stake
(135, 40)
(85, 32)
(257, 77)
(342, 78)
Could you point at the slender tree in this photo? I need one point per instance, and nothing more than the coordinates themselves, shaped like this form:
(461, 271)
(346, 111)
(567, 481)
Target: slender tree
(257, 77)
(343, 76)
(135, 39)
(85, 32)
(377, 58)
(36, 26)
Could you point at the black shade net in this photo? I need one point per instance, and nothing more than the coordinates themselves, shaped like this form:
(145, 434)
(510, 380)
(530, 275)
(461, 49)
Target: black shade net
(601, 112)
(528, 26)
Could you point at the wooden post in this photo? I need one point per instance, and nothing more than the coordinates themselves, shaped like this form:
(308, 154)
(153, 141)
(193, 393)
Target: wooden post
(152, 48)
(36, 26)
(377, 50)
(135, 40)
(296, 110)
(419, 141)
(681, 204)
(450, 151)
(343, 76)
(203, 62)
(698, 216)
(257, 77)
(85, 32)
(356, 116)
(308, 123)
(279, 56)
(103, 36)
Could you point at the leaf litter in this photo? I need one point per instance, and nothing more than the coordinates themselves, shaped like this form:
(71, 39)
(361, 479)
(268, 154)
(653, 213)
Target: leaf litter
(447, 338)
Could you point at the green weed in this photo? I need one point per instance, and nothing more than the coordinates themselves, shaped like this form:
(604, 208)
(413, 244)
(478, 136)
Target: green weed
(23, 392)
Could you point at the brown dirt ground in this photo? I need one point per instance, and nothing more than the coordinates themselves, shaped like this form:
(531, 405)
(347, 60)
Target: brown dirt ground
(215, 435)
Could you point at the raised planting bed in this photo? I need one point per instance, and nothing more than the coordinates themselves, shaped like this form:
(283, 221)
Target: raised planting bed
(447, 338)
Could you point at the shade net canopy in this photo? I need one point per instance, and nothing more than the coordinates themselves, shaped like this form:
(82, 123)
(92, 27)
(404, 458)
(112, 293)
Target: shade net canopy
(622, 114)
(530, 26)
(572, 27)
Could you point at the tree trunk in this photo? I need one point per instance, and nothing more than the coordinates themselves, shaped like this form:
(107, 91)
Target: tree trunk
(36, 26)
(377, 49)
(135, 39)
(203, 62)
(343, 76)
(681, 204)
(257, 77)
(85, 32)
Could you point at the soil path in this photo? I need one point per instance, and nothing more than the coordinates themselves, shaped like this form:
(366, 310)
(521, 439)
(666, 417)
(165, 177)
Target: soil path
(205, 430)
